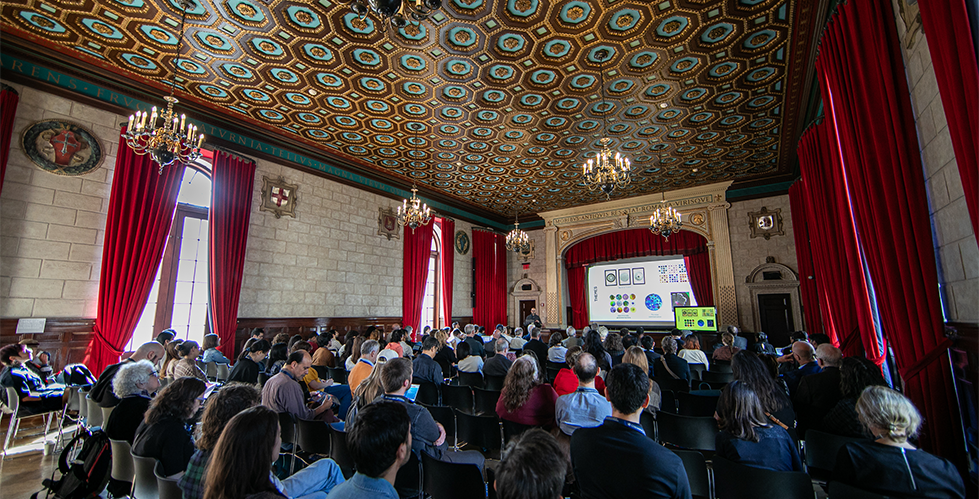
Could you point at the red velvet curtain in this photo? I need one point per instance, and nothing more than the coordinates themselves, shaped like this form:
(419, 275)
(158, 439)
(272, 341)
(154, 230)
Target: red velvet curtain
(635, 243)
(491, 276)
(868, 103)
(803, 252)
(8, 110)
(579, 299)
(232, 180)
(946, 24)
(448, 263)
(417, 253)
(140, 214)
(843, 297)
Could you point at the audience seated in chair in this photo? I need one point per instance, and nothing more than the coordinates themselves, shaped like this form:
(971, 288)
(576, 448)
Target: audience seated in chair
(891, 465)
(187, 365)
(499, 363)
(635, 355)
(365, 362)
(727, 349)
(805, 356)
(468, 363)
(567, 382)
(747, 436)
(323, 356)
(102, 392)
(584, 407)
(312, 383)
(163, 433)
(445, 354)
(593, 344)
(35, 396)
(856, 374)
(170, 358)
(380, 441)
(749, 368)
(531, 467)
(525, 399)
(613, 345)
(367, 391)
(424, 366)
(249, 364)
(555, 348)
(283, 393)
(617, 459)
(670, 365)
(691, 351)
(818, 393)
(211, 352)
(538, 347)
(134, 384)
(474, 341)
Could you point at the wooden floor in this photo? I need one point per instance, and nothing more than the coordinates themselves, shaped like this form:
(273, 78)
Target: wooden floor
(25, 466)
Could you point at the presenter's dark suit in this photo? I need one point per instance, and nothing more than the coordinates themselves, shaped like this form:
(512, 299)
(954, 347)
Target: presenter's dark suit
(615, 461)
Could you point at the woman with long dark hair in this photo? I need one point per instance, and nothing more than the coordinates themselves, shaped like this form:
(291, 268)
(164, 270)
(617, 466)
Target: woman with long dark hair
(240, 462)
(170, 358)
(164, 432)
(524, 399)
(747, 436)
(276, 359)
(594, 346)
(856, 374)
(750, 369)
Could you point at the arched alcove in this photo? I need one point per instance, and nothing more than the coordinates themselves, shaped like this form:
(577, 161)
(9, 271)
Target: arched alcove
(771, 283)
(524, 290)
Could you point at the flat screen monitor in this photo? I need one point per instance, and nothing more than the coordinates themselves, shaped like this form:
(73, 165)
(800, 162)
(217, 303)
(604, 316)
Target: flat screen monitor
(696, 318)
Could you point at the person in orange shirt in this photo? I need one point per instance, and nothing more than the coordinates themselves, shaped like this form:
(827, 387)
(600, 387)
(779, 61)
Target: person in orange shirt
(368, 356)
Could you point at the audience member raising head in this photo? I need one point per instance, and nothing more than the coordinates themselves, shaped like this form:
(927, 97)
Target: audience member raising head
(163, 434)
(891, 465)
(524, 399)
(365, 362)
(165, 336)
(531, 467)
(747, 436)
(750, 369)
(242, 458)
(380, 443)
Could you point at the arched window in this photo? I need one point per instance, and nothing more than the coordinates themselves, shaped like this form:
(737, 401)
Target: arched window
(432, 304)
(178, 299)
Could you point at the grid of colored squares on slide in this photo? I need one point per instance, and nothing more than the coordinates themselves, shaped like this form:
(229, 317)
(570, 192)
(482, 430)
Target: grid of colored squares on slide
(622, 303)
(672, 273)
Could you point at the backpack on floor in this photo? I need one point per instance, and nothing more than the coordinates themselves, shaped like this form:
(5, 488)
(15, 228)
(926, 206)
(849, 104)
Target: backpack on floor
(85, 472)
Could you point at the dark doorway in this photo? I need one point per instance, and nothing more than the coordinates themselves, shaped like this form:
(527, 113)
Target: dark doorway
(775, 313)
(525, 306)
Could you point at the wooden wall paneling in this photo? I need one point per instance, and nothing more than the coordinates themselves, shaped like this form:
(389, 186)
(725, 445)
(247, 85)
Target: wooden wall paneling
(66, 339)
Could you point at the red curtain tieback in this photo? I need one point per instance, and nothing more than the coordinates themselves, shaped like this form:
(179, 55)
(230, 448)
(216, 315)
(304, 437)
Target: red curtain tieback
(105, 343)
(932, 355)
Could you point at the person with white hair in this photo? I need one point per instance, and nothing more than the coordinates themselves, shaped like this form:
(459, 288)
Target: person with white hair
(575, 338)
(134, 385)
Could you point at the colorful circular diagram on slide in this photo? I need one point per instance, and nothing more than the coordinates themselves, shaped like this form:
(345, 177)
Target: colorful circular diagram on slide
(654, 302)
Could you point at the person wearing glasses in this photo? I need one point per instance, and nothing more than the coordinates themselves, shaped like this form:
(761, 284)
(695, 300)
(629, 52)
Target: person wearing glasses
(134, 384)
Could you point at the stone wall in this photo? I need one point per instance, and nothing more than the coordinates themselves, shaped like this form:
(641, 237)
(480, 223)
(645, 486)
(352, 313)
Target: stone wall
(537, 271)
(52, 227)
(462, 271)
(955, 243)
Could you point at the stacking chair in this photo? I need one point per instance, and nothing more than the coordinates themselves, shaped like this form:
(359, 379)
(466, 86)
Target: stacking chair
(338, 374)
(668, 401)
(482, 432)
(203, 365)
(106, 411)
(721, 367)
(696, 371)
(409, 480)
(471, 379)
(674, 385)
(12, 407)
(717, 377)
(443, 480)
(123, 467)
(224, 372)
(737, 481)
(340, 453)
(313, 437)
(83, 404)
(840, 490)
(686, 432)
(323, 372)
(648, 424)
(691, 404)
(821, 451)
(493, 382)
(211, 370)
(446, 368)
(167, 486)
(94, 413)
(696, 467)
(459, 397)
(485, 401)
(428, 393)
(144, 478)
(287, 427)
(446, 417)
(511, 430)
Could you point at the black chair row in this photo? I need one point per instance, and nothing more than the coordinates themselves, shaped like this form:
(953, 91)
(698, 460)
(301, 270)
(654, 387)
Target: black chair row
(481, 381)
(470, 399)
(693, 403)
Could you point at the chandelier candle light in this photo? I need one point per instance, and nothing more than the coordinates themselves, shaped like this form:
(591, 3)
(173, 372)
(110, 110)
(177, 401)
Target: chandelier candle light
(608, 170)
(173, 140)
(413, 213)
(517, 240)
(665, 220)
(396, 12)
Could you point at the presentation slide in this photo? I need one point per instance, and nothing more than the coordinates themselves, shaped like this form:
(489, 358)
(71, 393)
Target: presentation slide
(638, 292)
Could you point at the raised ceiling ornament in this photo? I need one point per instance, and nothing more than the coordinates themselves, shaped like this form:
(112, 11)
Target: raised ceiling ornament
(749, 51)
(397, 13)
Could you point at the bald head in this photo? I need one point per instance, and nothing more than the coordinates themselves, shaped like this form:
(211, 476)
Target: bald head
(586, 368)
(151, 351)
(803, 351)
(828, 355)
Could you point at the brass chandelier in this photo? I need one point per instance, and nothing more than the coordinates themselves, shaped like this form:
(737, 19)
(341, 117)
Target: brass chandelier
(517, 240)
(397, 13)
(665, 221)
(172, 140)
(413, 213)
(608, 170)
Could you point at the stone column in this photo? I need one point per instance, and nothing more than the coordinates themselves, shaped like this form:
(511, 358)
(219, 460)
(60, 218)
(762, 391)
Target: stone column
(552, 286)
(725, 297)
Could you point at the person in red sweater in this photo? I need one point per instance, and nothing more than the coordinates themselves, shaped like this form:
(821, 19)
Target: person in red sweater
(524, 399)
(566, 382)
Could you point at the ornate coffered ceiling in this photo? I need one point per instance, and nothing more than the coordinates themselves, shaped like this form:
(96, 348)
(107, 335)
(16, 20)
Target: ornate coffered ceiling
(700, 91)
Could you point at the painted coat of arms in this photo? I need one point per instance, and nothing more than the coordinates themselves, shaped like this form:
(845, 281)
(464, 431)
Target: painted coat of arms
(279, 197)
(387, 223)
(62, 147)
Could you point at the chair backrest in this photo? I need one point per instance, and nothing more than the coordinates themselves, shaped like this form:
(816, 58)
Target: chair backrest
(94, 412)
(446, 417)
(696, 370)
(428, 393)
(840, 490)
(821, 451)
(323, 372)
(339, 451)
(668, 401)
(717, 377)
(123, 468)
(674, 385)
(262, 379)
(13, 401)
(202, 365)
(444, 480)
(480, 431)
(471, 379)
(287, 427)
(648, 424)
(459, 397)
(167, 486)
(211, 370)
(696, 405)
(721, 367)
(144, 478)
(687, 432)
(409, 480)
(82, 402)
(485, 401)
(493, 382)
(74, 400)
(313, 437)
(737, 481)
(696, 467)
(106, 411)
(552, 373)
(339, 375)
(446, 368)
(511, 430)
(224, 372)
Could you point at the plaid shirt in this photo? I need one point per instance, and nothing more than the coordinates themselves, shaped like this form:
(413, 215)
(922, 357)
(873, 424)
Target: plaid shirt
(192, 483)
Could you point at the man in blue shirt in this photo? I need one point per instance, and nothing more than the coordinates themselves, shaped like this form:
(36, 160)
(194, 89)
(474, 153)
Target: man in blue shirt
(584, 407)
(380, 444)
(425, 367)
